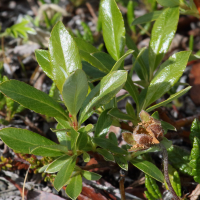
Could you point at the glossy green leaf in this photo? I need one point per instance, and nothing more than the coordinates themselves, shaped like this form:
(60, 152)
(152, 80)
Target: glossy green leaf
(49, 150)
(149, 195)
(166, 126)
(132, 90)
(31, 98)
(131, 15)
(180, 158)
(115, 112)
(162, 35)
(64, 173)
(106, 154)
(148, 168)
(57, 164)
(130, 110)
(63, 54)
(74, 138)
(175, 180)
(120, 61)
(113, 138)
(82, 140)
(152, 187)
(74, 187)
(22, 140)
(85, 46)
(169, 3)
(93, 61)
(141, 64)
(147, 17)
(106, 144)
(105, 59)
(74, 91)
(171, 98)
(103, 92)
(169, 73)
(65, 124)
(42, 169)
(90, 175)
(113, 28)
(91, 71)
(195, 159)
(195, 130)
(42, 57)
(63, 138)
(121, 161)
(86, 157)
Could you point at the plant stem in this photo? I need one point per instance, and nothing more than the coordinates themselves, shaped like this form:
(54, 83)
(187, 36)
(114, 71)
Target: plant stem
(121, 185)
(165, 164)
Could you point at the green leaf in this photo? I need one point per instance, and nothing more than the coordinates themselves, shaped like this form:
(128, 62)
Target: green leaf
(195, 159)
(32, 98)
(180, 158)
(22, 140)
(140, 64)
(63, 54)
(65, 124)
(91, 71)
(195, 130)
(42, 169)
(121, 161)
(93, 61)
(105, 59)
(113, 138)
(106, 144)
(74, 91)
(175, 180)
(90, 175)
(49, 150)
(74, 138)
(152, 187)
(42, 57)
(85, 46)
(148, 168)
(86, 157)
(113, 28)
(152, 16)
(63, 138)
(115, 112)
(82, 140)
(169, 3)
(169, 73)
(120, 61)
(131, 15)
(57, 164)
(161, 36)
(132, 90)
(64, 173)
(171, 98)
(166, 126)
(74, 187)
(106, 154)
(103, 92)
(149, 195)
(130, 110)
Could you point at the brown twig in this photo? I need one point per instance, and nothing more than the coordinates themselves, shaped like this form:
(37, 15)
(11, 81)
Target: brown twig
(91, 10)
(121, 185)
